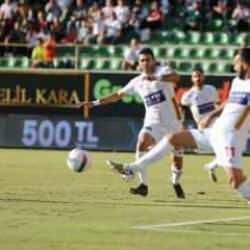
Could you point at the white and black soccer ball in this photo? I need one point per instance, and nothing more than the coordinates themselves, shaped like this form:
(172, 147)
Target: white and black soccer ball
(78, 160)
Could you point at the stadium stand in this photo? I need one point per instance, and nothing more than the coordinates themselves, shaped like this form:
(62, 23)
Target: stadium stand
(192, 32)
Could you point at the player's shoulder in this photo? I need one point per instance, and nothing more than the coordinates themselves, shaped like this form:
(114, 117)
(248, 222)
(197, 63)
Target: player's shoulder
(136, 79)
(163, 69)
(209, 87)
(188, 94)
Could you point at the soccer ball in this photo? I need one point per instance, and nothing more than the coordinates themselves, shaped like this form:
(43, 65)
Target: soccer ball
(78, 160)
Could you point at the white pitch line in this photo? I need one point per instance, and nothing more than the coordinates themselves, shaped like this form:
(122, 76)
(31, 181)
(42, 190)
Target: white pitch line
(188, 223)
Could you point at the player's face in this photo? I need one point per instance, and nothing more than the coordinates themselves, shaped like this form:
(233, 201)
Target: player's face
(237, 63)
(197, 78)
(146, 63)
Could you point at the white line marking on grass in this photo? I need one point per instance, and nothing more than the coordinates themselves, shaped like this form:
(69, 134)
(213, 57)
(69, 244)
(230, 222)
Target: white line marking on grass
(190, 231)
(189, 223)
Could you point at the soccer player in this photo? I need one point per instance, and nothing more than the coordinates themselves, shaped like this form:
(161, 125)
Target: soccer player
(201, 99)
(155, 87)
(226, 137)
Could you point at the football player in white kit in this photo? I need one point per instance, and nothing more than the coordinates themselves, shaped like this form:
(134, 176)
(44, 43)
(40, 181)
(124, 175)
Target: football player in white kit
(201, 99)
(226, 137)
(155, 87)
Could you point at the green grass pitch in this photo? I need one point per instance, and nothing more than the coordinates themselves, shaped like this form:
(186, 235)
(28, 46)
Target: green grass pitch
(43, 205)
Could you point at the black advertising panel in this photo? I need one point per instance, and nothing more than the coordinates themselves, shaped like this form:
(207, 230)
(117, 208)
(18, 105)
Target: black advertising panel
(41, 92)
(64, 132)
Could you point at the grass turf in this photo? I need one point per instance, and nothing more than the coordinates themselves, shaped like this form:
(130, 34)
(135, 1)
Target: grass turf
(43, 205)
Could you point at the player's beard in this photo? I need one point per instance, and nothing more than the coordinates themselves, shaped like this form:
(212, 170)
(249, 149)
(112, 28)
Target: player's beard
(242, 73)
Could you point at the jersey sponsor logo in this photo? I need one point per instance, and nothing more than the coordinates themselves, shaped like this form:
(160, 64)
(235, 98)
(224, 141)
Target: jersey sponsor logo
(205, 108)
(155, 98)
(239, 97)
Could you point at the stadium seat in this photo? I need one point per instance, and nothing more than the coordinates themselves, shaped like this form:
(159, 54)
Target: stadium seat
(86, 63)
(170, 52)
(222, 38)
(102, 64)
(100, 51)
(193, 38)
(185, 67)
(184, 53)
(208, 38)
(216, 24)
(62, 51)
(212, 53)
(115, 64)
(197, 53)
(115, 51)
(227, 54)
(159, 52)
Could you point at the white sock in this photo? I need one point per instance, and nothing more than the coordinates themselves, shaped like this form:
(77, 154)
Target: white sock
(142, 175)
(176, 174)
(244, 190)
(211, 165)
(157, 152)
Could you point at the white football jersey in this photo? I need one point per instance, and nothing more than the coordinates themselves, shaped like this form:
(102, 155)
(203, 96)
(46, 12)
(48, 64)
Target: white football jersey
(201, 101)
(157, 97)
(238, 100)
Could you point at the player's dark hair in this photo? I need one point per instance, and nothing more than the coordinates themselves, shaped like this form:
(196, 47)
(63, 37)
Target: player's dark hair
(147, 51)
(245, 55)
(198, 69)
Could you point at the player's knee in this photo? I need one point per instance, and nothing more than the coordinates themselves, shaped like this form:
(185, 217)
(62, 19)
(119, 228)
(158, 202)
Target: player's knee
(173, 140)
(235, 182)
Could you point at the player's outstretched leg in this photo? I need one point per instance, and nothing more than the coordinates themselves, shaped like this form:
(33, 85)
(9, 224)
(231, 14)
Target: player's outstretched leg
(210, 167)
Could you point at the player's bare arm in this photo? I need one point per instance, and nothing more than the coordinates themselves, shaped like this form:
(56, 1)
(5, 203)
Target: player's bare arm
(114, 97)
(205, 122)
(242, 118)
(172, 77)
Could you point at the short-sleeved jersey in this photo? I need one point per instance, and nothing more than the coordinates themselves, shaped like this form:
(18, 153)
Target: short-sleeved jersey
(238, 100)
(201, 101)
(157, 97)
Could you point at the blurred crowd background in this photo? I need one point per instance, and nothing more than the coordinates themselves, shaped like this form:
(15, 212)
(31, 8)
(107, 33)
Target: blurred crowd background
(115, 21)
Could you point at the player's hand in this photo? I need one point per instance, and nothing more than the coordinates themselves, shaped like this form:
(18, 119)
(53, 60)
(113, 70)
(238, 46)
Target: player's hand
(88, 104)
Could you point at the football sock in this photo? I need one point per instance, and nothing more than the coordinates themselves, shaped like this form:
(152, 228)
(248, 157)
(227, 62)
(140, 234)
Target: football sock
(211, 165)
(156, 153)
(176, 174)
(142, 175)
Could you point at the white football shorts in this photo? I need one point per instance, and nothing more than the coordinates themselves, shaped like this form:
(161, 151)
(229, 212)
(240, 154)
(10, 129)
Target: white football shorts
(226, 145)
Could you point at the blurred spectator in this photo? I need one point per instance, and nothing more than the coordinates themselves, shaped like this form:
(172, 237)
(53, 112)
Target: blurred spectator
(52, 10)
(108, 10)
(42, 24)
(241, 14)
(131, 55)
(193, 15)
(98, 28)
(79, 9)
(122, 12)
(64, 3)
(83, 35)
(37, 54)
(133, 17)
(49, 47)
(93, 11)
(112, 30)
(6, 10)
(219, 11)
(155, 16)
